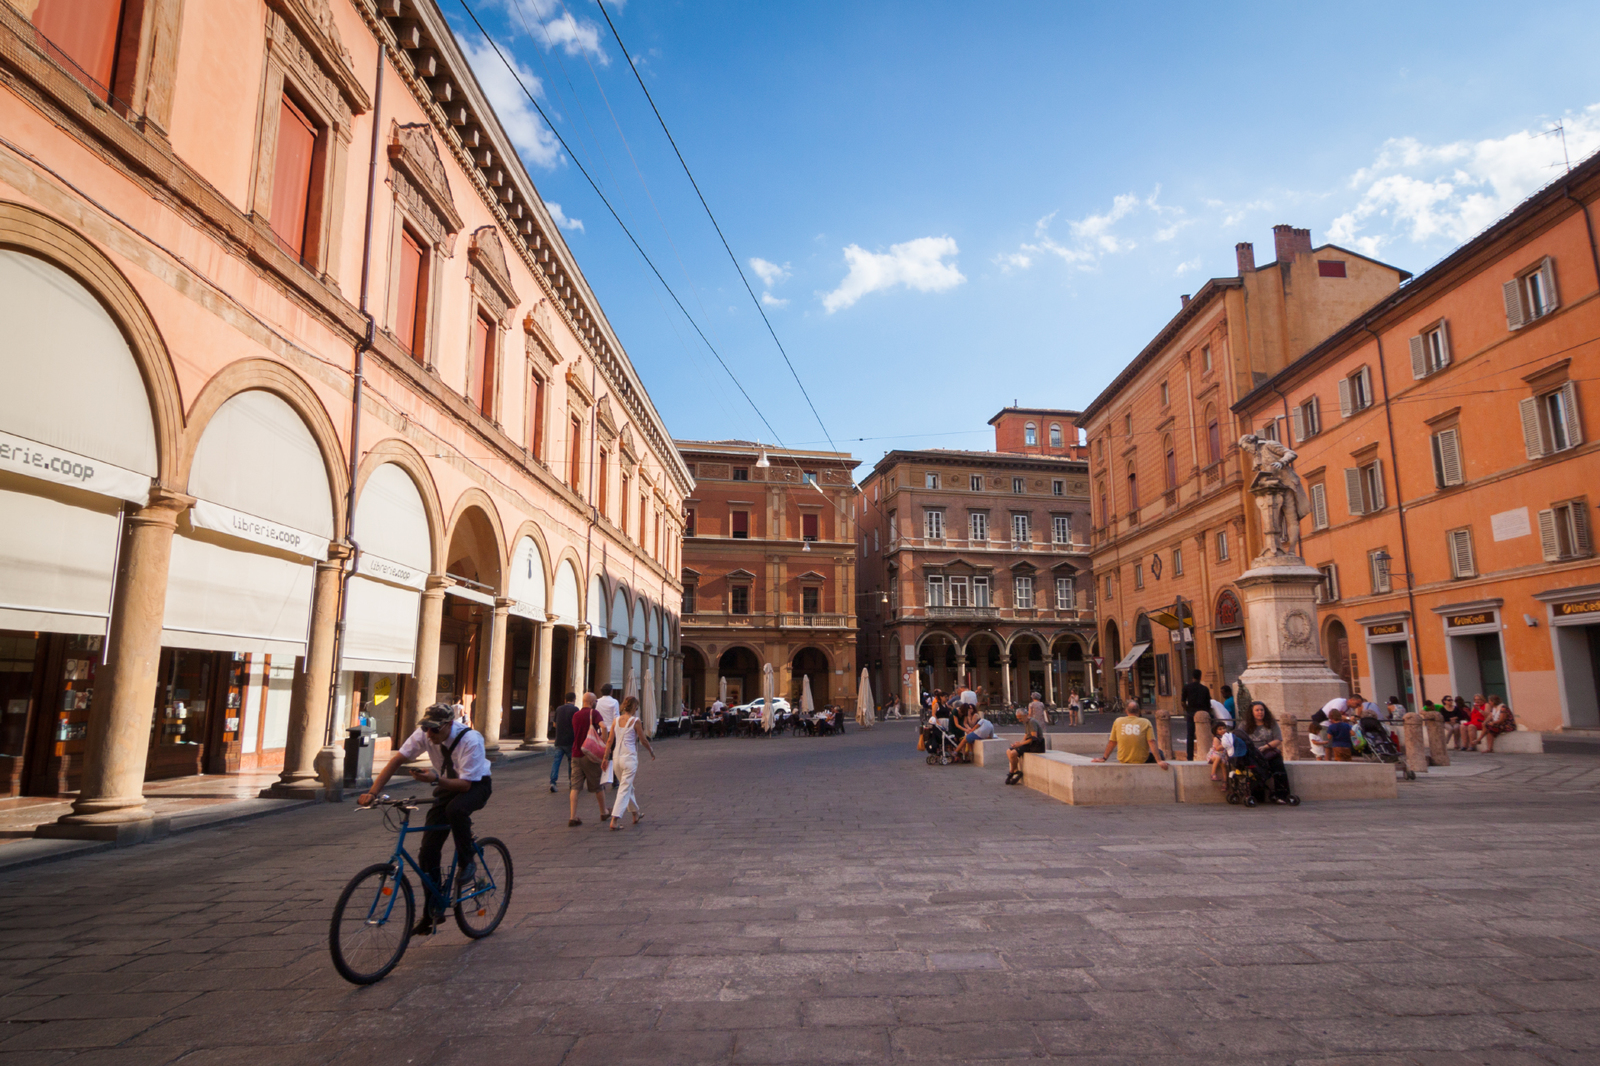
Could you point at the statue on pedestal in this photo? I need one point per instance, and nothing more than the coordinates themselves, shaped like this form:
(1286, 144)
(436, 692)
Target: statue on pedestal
(1279, 494)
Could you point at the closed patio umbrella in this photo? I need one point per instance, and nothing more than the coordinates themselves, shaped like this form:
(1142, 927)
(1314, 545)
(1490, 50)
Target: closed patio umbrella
(650, 700)
(722, 690)
(864, 707)
(768, 692)
(808, 702)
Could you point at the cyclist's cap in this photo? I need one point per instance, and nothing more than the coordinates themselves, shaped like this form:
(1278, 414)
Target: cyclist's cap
(437, 715)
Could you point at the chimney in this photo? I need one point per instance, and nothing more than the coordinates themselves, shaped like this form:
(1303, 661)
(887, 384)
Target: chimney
(1247, 257)
(1283, 243)
(1185, 299)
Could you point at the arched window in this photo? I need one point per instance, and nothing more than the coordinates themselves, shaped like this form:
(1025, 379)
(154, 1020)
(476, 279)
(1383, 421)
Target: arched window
(1030, 435)
(1213, 436)
(1133, 492)
(1055, 434)
(1169, 455)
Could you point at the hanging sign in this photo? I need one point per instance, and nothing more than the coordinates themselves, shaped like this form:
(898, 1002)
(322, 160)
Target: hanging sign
(219, 519)
(49, 463)
(381, 569)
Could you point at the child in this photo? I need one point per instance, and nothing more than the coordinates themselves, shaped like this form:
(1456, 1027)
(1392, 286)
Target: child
(1219, 751)
(1341, 741)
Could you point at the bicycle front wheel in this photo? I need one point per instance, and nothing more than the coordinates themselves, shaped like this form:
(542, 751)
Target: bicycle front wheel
(482, 901)
(371, 924)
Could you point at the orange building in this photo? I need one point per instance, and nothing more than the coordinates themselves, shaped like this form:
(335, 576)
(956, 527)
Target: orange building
(1442, 438)
(310, 414)
(1172, 519)
(769, 572)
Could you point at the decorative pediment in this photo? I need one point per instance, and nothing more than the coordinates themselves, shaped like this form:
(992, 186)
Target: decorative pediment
(1023, 568)
(690, 573)
(540, 323)
(312, 24)
(578, 387)
(627, 445)
(420, 182)
(491, 277)
(741, 575)
(811, 575)
(605, 419)
(1066, 567)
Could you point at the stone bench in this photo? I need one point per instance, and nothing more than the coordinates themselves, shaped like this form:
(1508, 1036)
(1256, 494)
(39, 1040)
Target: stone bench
(1519, 742)
(991, 753)
(1078, 780)
(1308, 779)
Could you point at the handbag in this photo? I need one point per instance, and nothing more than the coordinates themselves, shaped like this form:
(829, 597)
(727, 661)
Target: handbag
(592, 745)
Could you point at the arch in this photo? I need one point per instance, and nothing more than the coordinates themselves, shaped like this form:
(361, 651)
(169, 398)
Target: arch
(474, 501)
(1227, 614)
(566, 595)
(973, 639)
(1336, 647)
(249, 375)
(810, 662)
(393, 450)
(941, 634)
(741, 665)
(619, 624)
(527, 580)
(595, 608)
(1026, 634)
(1055, 435)
(1030, 435)
(28, 231)
(641, 623)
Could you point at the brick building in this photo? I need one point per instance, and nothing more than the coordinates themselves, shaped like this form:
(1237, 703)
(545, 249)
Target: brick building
(309, 409)
(1172, 519)
(1442, 438)
(975, 565)
(769, 572)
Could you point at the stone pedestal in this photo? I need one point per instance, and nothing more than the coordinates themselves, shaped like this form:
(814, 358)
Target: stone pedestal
(1287, 669)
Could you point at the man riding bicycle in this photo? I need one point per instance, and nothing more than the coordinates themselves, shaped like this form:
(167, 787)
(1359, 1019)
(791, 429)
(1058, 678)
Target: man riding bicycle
(461, 785)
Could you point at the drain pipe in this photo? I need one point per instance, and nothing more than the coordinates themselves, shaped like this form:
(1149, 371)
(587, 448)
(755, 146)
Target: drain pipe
(358, 380)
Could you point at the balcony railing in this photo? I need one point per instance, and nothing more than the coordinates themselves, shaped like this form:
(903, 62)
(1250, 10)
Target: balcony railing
(1034, 547)
(963, 612)
(814, 621)
(996, 614)
(786, 619)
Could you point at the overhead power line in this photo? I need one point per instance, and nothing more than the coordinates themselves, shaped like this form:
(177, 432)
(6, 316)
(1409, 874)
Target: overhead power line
(512, 70)
(627, 58)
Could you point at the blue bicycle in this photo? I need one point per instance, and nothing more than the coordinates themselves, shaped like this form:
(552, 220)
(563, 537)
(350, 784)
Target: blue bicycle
(376, 912)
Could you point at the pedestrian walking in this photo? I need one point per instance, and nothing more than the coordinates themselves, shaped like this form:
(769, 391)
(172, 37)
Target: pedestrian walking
(623, 753)
(607, 706)
(1037, 711)
(1074, 709)
(563, 739)
(588, 751)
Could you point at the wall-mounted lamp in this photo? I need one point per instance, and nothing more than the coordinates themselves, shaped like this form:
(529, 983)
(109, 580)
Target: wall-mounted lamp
(1533, 623)
(763, 462)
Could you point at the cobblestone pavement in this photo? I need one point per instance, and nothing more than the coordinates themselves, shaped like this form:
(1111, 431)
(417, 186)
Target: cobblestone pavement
(827, 900)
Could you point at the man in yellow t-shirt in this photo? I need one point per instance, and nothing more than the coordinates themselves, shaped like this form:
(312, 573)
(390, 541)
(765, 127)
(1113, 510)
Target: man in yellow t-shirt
(1133, 740)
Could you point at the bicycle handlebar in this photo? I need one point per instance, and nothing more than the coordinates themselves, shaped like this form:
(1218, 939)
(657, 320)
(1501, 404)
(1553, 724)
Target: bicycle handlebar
(385, 801)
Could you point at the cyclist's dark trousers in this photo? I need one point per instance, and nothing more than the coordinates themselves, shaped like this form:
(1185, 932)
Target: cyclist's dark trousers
(454, 810)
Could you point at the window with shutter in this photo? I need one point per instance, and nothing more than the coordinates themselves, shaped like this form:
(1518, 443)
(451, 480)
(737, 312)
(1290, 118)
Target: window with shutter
(1548, 541)
(808, 526)
(1447, 458)
(1569, 406)
(1352, 491)
(1564, 530)
(1512, 293)
(1439, 347)
(1461, 563)
(291, 177)
(1346, 408)
(1378, 564)
(411, 296)
(1297, 422)
(1532, 429)
(1419, 357)
(1374, 485)
(740, 525)
(1177, 562)
(1319, 506)
(1547, 283)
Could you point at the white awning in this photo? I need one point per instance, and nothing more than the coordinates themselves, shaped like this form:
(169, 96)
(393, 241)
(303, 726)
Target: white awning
(380, 622)
(1133, 655)
(465, 593)
(56, 563)
(225, 600)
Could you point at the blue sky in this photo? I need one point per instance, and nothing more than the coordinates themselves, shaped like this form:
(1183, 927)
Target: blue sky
(951, 207)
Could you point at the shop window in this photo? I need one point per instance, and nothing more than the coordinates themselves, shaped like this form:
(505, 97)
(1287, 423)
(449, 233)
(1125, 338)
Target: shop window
(1055, 434)
(690, 593)
(1327, 590)
(1564, 531)
(82, 36)
(688, 522)
(979, 521)
(958, 592)
(1319, 506)
(1023, 589)
(741, 473)
(1363, 487)
(1378, 570)
(739, 599)
(975, 482)
(1307, 419)
(1019, 485)
(411, 298)
(1355, 392)
(810, 599)
(933, 525)
(1021, 529)
(935, 586)
(1030, 435)
(739, 524)
(809, 525)
(980, 592)
(1531, 295)
(536, 415)
(1550, 421)
(292, 167)
(1447, 458)
(1462, 563)
(1061, 529)
(1430, 351)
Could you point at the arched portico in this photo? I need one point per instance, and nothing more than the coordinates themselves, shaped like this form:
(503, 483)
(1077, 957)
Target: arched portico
(813, 663)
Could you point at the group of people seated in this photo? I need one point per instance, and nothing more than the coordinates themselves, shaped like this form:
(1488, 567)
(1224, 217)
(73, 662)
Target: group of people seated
(955, 726)
(721, 719)
(1469, 725)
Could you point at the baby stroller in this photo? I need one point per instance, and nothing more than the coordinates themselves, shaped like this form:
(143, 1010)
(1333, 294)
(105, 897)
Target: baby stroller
(941, 743)
(1373, 743)
(1250, 778)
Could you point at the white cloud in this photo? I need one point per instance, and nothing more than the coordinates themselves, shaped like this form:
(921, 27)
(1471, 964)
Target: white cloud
(1184, 268)
(522, 123)
(773, 301)
(549, 23)
(1096, 234)
(561, 218)
(769, 273)
(1423, 193)
(917, 264)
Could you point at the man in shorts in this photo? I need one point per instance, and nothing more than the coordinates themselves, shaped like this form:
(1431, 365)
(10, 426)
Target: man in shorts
(1032, 744)
(585, 768)
(982, 729)
(1133, 739)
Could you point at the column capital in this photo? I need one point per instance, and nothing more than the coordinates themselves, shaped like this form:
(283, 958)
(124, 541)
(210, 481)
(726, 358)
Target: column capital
(163, 508)
(339, 552)
(438, 583)
(502, 604)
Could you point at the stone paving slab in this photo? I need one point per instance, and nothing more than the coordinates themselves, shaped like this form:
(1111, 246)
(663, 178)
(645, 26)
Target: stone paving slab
(792, 902)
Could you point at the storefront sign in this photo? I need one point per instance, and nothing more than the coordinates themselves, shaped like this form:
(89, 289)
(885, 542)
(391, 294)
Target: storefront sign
(376, 566)
(220, 519)
(48, 463)
(524, 609)
(1386, 630)
(1482, 618)
(1578, 607)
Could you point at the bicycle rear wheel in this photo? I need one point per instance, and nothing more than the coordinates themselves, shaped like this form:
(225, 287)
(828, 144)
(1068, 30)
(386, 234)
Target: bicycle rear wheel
(481, 903)
(371, 924)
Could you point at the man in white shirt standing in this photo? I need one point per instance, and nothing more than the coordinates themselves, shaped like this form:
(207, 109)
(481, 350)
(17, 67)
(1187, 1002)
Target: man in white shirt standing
(461, 784)
(608, 707)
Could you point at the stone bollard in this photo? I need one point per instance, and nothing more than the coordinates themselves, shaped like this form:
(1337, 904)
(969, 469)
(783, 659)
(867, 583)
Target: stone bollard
(1416, 746)
(1433, 724)
(1202, 736)
(1290, 726)
(1164, 733)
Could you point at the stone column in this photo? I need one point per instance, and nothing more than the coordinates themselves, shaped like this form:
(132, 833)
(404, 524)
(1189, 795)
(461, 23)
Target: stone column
(311, 703)
(425, 677)
(110, 805)
(1433, 723)
(961, 672)
(494, 676)
(1164, 733)
(1005, 678)
(580, 661)
(1049, 682)
(1416, 746)
(536, 733)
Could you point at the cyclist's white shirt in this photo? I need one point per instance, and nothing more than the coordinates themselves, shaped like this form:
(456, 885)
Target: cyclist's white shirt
(471, 764)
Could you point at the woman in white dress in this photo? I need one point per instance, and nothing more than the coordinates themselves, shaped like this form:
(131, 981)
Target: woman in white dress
(623, 749)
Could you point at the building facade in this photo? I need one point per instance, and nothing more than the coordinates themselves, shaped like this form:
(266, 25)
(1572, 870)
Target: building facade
(1173, 522)
(975, 565)
(769, 573)
(1452, 485)
(310, 411)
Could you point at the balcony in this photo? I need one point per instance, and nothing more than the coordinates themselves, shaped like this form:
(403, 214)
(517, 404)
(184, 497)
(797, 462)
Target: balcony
(964, 613)
(1009, 547)
(814, 621)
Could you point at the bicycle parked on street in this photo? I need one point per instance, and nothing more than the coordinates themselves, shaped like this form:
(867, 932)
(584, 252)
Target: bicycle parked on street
(372, 922)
